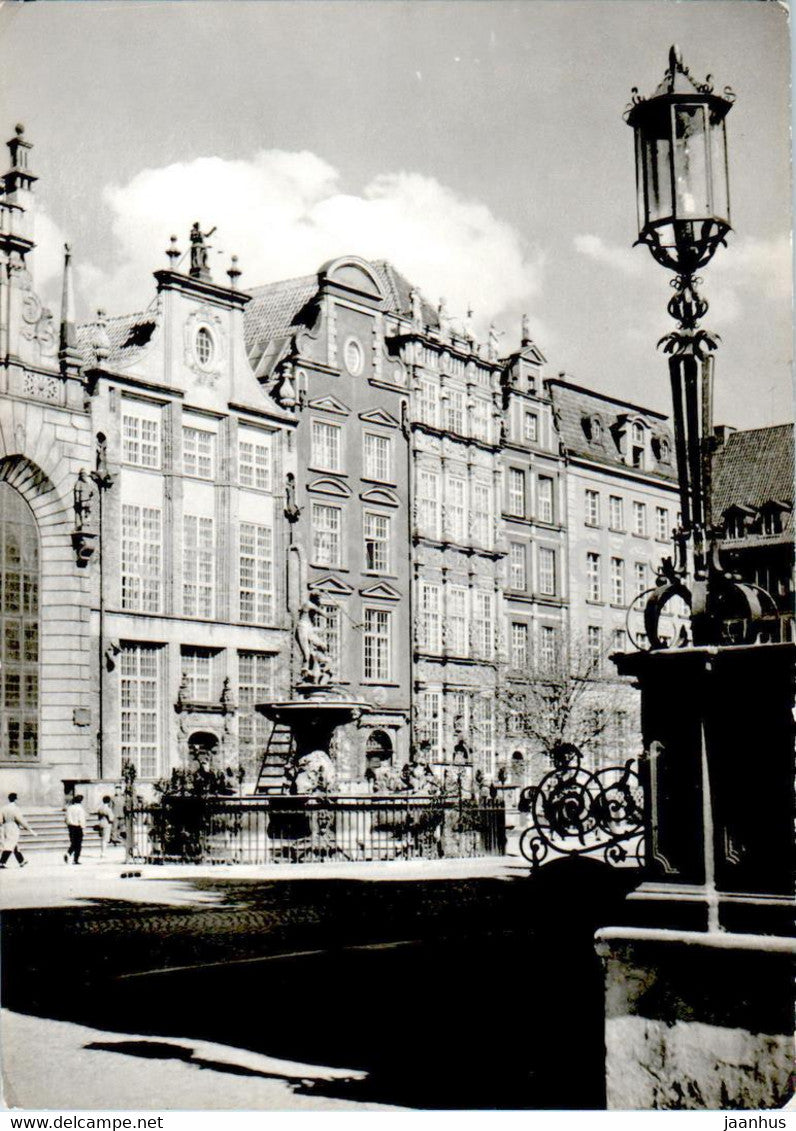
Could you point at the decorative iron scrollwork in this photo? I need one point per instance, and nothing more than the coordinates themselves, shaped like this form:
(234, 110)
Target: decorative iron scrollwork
(576, 812)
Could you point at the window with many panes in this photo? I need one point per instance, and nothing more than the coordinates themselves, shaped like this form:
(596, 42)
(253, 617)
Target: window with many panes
(640, 572)
(593, 585)
(619, 640)
(616, 512)
(377, 542)
(482, 514)
(254, 462)
(455, 411)
(332, 632)
(617, 581)
(484, 730)
(519, 644)
(377, 456)
(19, 621)
(430, 620)
(428, 509)
(662, 524)
(548, 647)
(457, 705)
(256, 591)
(197, 674)
(429, 710)
(198, 566)
(198, 452)
(326, 439)
(140, 441)
(377, 644)
(255, 685)
(594, 641)
(544, 498)
(517, 492)
(530, 429)
(639, 518)
(480, 418)
(326, 544)
(141, 558)
(456, 508)
(517, 570)
(428, 403)
(456, 620)
(483, 623)
(592, 508)
(547, 571)
(139, 707)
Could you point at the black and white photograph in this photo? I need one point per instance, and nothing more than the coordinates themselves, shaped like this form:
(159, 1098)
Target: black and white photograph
(396, 557)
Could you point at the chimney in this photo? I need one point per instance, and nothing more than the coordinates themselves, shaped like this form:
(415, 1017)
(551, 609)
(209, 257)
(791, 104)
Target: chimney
(721, 432)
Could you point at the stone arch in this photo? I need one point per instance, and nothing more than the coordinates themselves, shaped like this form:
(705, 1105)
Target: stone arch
(20, 627)
(36, 488)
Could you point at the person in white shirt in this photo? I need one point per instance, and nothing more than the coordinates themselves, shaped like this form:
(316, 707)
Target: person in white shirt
(75, 826)
(11, 821)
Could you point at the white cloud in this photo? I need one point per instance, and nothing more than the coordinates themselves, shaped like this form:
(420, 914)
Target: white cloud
(626, 260)
(284, 214)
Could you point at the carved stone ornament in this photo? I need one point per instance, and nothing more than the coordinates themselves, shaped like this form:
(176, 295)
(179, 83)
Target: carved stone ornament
(207, 370)
(38, 324)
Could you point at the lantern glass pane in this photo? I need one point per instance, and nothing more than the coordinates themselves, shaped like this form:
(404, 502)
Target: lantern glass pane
(657, 170)
(718, 172)
(691, 162)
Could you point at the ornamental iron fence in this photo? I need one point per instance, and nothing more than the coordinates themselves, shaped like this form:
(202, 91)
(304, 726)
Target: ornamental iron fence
(577, 812)
(313, 828)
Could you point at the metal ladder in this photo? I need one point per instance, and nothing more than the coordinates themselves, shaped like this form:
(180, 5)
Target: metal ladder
(278, 750)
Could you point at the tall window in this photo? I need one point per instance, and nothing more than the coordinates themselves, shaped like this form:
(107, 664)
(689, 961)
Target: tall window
(482, 514)
(662, 524)
(332, 630)
(326, 445)
(325, 535)
(592, 508)
(19, 613)
(141, 558)
(458, 706)
(617, 581)
(140, 441)
(594, 641)
(430, 621)
(377, 456)
(140, 716)
(254, 463)
(519, 644)
(517, 492)
(480, 418)
(456, 620)
(198, 452)
(456, 411)
(637, 455)
(198, 566)
(377, 644)
(483, 624)
(429, 721)
(517, 565)
(484, 728)
(255, 685)
(544, 490)
(616, 512)
(377, 542)
(639, 518)
(640, 571)
(619, 640)
(547, 571)
(428, 403)
(197, 674)
(256, 573)
(428, 510)
(547, 647)
(456, 508)
(530, 431)
(593, 585)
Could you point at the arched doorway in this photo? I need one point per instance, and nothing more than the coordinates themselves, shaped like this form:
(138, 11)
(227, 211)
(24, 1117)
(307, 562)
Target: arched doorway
(202, 749)
(20, 580)
(378, 751)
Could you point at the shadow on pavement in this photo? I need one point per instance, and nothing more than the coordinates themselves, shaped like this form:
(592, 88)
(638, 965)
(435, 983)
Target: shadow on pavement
(492, 999)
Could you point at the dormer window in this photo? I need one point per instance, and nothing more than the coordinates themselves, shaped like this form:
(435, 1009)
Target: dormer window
(637, 445)
(595, 426)
(664, 450)
(735, 521)
(771, 517)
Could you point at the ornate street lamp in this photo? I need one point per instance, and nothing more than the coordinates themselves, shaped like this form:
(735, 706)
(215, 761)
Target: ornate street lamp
(683, 197)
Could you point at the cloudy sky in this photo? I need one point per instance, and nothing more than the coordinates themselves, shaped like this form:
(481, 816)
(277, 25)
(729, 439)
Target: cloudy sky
(479, 146)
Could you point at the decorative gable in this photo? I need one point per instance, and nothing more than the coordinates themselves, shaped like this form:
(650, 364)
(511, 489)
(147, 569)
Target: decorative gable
(379, 416)
(381, 496)
(327, 486)
(332, 586)
(382, 591)
(330, 404)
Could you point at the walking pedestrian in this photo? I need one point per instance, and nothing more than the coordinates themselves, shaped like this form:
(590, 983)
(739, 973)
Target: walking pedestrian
(105, 818)
(11, 821)
(75, 826)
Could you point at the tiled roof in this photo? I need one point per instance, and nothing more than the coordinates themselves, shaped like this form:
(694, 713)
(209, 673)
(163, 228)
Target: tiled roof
(398, 290)
(754, 467)
(576, 411)
(128, 335)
